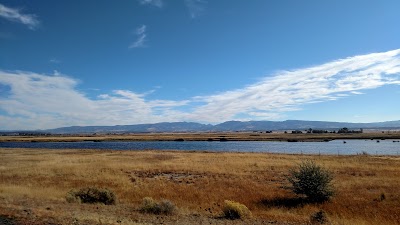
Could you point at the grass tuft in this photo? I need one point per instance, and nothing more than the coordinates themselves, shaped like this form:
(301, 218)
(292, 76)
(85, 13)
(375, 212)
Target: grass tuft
(92, 195)
(149, 205)
(234, 210)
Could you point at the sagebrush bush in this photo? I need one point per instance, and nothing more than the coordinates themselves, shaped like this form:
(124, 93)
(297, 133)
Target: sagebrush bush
(149, 205)
(312, 181)
(92, 195)
(234, 210)
(319, 217)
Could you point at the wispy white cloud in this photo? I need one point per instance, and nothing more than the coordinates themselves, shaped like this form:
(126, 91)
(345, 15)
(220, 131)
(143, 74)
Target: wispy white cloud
(156, 3)
(195, 7)
(44, 101)
(55, 61)
(289, 90)
(15, 15)
(140, 37)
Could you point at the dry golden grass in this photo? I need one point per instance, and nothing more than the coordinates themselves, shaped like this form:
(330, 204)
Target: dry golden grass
(34, 182)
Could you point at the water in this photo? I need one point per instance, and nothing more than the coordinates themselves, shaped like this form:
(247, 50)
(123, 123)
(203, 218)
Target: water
(336, 147)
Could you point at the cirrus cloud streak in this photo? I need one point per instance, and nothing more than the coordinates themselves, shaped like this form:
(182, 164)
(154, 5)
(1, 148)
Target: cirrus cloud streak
(289, 90)
(15, 15)
(140, 37)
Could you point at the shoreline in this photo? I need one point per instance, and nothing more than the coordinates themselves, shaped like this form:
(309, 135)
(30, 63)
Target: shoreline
(209, 152)
(230, 136)
(376, 147)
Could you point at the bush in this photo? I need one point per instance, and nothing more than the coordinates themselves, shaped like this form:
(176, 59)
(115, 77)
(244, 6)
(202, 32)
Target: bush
(382, 196)
(312, 181)
(92, 195)
(234, 210)
(319, 217)
(149, 205)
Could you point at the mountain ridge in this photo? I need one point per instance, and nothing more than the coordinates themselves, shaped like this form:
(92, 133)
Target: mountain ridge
(225, 126)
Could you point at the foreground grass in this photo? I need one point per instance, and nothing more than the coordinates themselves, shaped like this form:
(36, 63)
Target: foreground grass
(34, 183)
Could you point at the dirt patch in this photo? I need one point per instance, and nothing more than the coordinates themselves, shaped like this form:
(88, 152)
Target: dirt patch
(163, 157)
(176, 177)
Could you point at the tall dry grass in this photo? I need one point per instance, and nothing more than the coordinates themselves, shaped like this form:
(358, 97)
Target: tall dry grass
(199, 182)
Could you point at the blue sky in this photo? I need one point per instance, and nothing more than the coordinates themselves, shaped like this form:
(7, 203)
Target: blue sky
(65, 63)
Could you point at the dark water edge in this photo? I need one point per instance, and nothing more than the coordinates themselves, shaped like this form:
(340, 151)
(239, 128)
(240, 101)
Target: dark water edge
(335, 147)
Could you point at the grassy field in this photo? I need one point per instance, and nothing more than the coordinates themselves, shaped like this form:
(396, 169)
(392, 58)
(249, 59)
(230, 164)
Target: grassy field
(34, 183)
(204, 136)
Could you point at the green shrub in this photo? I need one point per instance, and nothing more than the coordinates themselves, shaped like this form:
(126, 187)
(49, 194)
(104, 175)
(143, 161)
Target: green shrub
(234, 210)
(149, 205)
(92, 195)
(312, 181)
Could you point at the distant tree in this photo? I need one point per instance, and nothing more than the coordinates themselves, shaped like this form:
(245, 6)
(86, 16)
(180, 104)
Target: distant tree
(319, 131)
(345, 130)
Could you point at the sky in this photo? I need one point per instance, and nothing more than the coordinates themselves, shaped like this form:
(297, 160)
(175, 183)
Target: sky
(102, 62)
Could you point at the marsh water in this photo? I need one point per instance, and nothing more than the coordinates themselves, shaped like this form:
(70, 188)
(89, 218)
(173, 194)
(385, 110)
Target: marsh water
(335, 147)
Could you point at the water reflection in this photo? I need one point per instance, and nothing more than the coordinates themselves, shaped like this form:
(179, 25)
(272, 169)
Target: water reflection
(335, 147)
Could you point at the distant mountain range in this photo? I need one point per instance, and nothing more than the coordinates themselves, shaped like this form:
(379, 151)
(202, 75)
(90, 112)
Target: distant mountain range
(226, 126)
